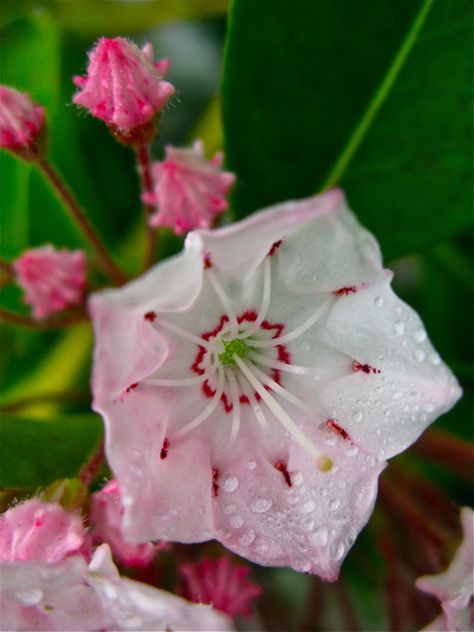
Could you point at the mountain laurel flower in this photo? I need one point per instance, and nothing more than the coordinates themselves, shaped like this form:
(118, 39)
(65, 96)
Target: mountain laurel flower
(22, 123)
(221, 583)
(51, 279)
(106, 517)
(48, 584)
(125, 88)
(455, 587)
(189, 191)
(253, 386)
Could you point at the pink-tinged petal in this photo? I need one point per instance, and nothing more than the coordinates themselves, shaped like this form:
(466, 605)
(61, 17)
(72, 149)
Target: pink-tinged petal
(34, 530)
(52, 280)
(123, 86)
(189, 191)
(106, 514)
(455, 586)
(220, 582)
(222, 376)
(22, 122)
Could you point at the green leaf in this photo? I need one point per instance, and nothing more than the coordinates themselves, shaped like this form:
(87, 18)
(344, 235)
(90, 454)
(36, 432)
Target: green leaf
(371, 96)
(37, 452)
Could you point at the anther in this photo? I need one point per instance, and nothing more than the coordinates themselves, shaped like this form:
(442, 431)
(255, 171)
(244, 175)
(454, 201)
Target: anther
(150, 317)
(332, 425)
(365, 368)
(344, 291)
(276, 245)
(165, 448)
(324, 463)
(207, 261)
(215, 485)
(282, 466)
(132, 387)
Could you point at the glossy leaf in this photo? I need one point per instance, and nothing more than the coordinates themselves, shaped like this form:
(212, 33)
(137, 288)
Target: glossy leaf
(361, 95)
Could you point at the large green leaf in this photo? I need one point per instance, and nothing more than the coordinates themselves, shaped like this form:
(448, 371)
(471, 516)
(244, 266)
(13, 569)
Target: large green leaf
(37, 452)
(373, 96)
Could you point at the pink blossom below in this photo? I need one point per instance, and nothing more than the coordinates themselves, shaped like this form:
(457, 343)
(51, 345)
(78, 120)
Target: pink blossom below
(221, 583)
(51, 279)
(189, 191)
(248, 399)
(21, 122)
(106, 517)
(124, 87)
(455, 587)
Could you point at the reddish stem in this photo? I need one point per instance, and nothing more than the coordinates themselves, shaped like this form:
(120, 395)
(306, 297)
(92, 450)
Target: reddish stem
(92, 467)
(143, 158)
(394, 587)
(72, 318)
(311, 620)
(348, 612)
(448, 450)
(83, 222)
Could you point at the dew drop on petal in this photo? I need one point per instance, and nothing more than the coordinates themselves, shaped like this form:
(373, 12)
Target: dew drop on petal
(308, 507)
(420, 335)
(308, 524)
(260, 505)
(334, 504)
(252, 465)
(337, 550)
(319, 537)
(236, 521)
(399, 328)
(435, 359)
(302, 566)
(419, 355)
(357, 415)
(30, 596)
(230, 483)
(296, 478)
(247, 537)
(378, 301)
(228, 509)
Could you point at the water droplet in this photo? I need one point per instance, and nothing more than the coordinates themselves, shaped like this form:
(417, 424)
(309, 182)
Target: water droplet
(429, 407)
(419, 355)
(308, 524)
(435, 359)
(252, 465)
(230, 483)
(378, 301)
(308, 507)
(260, 505)
(370, 460)
(334, 504)
(229, 509)
(302, 566)
(399, 328)
(296, 478)
(397, 395)
(420, 335)
(247, 537)
(134, 623)
(236, 522)
(353, 451)
(331, 440)
(319, 537)
(292, 499)
(357, 415)
(337, 550)
(30, 596)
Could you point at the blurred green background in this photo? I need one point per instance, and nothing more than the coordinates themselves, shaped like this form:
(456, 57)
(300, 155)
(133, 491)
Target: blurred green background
(372, 96)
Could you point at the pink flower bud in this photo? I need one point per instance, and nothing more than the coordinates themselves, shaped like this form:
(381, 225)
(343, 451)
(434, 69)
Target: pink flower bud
(220, 582)
(51, 279)
(124, 87)
(21, 123)
(189, 190)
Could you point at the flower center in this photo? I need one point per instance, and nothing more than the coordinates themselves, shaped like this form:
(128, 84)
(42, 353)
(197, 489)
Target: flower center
(237, 347)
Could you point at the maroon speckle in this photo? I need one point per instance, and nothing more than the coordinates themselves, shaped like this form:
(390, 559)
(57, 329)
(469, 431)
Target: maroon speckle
(282, 466)
(207, 262)
(131, 388)
(215, 486)
(150, 317)
(365, 368)
(276, 245)
(164, 449)
(332, 425)
(344, 291)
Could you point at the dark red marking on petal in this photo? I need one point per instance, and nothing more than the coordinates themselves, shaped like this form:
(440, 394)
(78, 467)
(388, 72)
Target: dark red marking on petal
(282, 466)
(207, 261)
(344, 291)
(250, 316)
(215, 485)
(165, 448)
(132, 387)
(150, 317)
(365, 368)
(335, 427)
(272, 250)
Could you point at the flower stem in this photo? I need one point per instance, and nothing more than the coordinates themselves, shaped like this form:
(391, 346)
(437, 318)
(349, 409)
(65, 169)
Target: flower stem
(71, 318)
(83, 222)
(447, 450)
(348, 612)
(143, 158)
(93, 465)
(6, 272)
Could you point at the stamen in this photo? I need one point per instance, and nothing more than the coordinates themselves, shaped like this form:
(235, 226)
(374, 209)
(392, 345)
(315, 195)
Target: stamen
(187, 381)
(321, 459)
(267, 283)
(283, 366)
(253, 402)
(296, 333)
(234, 393)
(197, 421)
(224, 299)
(187, 335)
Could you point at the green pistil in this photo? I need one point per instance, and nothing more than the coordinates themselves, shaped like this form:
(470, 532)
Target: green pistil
(233, 347)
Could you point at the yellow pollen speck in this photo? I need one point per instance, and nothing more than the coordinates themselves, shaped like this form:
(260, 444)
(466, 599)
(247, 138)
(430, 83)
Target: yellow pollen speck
(324, 463)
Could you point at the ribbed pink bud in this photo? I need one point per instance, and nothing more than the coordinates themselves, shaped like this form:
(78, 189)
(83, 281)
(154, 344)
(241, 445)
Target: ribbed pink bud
(124, 87)
(22, 123)
(51, 279)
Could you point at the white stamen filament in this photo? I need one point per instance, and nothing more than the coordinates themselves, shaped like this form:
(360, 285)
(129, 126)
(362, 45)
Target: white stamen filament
(224, 299)
(296, 333)
(197, 421)
(283, 366)
(253, 402)
(267, 284)
(279, 412)
(187, 335)
(235, 397)
(186, 381)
